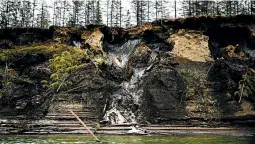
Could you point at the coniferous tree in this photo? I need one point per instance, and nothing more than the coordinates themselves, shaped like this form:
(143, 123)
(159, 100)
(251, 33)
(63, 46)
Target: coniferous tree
(65, 6)
(76, 13)
(136, 9)
(142, 11)
(128, 19)
(58, 13)
(89, 11)
(34, 3)
(149, 11)
(42, 19)
(114, 17)
(4, 12)
(25, 13)
(175, 9)
(188, 8)
(12, 11)
(252, 7)
(157, 9)
(120, 12)
(99, 20)
(107, 11)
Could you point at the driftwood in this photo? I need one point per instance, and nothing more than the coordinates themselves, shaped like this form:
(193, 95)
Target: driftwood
(84, 125)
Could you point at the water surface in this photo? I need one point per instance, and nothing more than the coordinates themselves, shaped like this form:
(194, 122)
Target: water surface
(80, 139)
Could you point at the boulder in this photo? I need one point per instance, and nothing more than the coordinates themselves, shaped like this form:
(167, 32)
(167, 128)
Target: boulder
(141, 56)
(163, 97)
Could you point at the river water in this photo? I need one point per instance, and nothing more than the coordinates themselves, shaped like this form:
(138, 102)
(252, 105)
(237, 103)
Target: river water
(81, 139)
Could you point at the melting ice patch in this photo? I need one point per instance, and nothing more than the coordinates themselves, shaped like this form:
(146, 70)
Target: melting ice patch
(119, 60)
(114, 116)
(120, 55)
(120, 112)
(77, 43)
(250, 52)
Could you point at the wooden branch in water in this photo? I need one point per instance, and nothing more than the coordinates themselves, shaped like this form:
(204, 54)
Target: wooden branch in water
(83, 124)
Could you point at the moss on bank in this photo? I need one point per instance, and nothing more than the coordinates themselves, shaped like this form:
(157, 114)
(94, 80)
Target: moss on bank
(48, 51)
(64, 64)
(62, 59)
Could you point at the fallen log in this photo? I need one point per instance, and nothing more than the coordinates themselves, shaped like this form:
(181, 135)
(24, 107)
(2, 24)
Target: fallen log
(84, 125)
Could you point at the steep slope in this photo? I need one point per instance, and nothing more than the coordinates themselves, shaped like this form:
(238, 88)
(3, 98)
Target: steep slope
(195, 71)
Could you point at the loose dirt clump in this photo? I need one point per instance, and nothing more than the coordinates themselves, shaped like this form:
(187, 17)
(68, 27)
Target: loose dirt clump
(190, 45)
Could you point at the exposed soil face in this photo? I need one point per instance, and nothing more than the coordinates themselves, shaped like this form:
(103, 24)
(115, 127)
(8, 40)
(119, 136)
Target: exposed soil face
(186, 71)
(190, 45)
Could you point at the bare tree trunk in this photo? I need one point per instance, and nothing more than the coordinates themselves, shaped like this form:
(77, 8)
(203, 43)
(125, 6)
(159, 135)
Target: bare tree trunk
(6, 15)
(111, 15)
(107, 13)
(137, 13)
(175, 9)
(148, 8)
(33, 15)
(120, 13)
(54, 10)
(64, 13)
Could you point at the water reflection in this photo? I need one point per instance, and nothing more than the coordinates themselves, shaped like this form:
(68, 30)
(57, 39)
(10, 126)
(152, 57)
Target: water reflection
(80, 139)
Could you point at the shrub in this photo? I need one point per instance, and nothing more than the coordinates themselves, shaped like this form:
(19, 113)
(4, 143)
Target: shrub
(246, 86)
(64, 64)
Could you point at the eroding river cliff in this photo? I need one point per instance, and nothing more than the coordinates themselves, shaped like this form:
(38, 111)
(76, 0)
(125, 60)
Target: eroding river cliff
(194, 71)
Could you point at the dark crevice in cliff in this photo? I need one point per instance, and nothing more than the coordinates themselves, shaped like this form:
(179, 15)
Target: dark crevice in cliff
(223, 36)
(203, 22)
(157, 39)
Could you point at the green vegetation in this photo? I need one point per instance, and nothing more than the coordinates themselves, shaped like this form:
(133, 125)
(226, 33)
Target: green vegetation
(19, 52)
(192, 81)
(64, 64)
(72, 139)
(63, 60)
(68, 62)
(197, 90)
(246, 87)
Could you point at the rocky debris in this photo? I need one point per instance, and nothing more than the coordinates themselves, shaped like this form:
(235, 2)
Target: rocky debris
(22, 97)
(141, 56)
(71, 126)
(113, 73)
(232, 52)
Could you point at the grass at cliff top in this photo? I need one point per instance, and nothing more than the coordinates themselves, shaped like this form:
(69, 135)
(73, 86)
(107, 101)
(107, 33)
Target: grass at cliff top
(80, 139)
